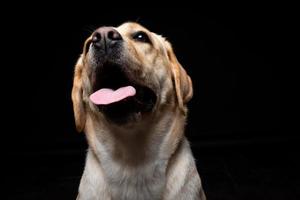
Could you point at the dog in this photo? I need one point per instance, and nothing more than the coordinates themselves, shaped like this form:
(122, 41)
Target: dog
(130, 97)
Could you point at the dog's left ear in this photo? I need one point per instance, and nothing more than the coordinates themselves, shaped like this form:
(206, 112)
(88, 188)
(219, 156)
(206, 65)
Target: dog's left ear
(77, 92)
(182, 81)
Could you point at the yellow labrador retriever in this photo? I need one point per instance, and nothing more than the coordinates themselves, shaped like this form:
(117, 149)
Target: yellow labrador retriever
(129, 97)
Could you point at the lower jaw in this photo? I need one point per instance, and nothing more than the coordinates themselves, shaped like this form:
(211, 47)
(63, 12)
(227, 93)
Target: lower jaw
(123, 112)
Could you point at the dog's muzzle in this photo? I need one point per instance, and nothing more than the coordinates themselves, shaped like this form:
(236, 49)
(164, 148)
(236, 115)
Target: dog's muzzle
(116, 92)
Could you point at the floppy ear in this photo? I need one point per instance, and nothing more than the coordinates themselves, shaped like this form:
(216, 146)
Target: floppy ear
(182, 82)
(77, 92)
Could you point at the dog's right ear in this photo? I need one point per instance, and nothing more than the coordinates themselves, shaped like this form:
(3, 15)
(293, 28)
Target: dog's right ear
(182, 82)
(77, 92)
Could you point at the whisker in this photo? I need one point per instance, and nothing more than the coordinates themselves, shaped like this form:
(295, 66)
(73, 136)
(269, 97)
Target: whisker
(138, 19)
(89, 28)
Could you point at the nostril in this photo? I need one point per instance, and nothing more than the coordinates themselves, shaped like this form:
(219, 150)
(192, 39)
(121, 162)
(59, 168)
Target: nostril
(96, 37)
(114, 35)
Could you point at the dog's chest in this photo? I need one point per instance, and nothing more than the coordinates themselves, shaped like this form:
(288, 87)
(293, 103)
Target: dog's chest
(146, 182)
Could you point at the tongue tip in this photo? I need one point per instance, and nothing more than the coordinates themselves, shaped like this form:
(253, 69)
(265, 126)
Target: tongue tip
(107, 96)
(131, 89)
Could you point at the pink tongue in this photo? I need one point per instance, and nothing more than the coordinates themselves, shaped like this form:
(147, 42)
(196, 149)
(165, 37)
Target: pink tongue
(106, 96)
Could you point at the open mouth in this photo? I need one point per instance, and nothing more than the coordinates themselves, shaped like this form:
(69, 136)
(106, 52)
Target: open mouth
(118, 96)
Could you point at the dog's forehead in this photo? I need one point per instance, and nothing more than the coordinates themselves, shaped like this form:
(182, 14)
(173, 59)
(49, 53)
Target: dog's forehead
(129, 27)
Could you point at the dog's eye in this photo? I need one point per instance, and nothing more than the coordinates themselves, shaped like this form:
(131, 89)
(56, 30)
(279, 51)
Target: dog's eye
(141, 37)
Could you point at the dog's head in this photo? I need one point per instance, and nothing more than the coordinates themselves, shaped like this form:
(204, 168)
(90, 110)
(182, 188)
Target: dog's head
(126, 74)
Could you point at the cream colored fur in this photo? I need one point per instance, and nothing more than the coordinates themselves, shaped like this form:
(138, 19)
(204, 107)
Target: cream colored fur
(148, 158)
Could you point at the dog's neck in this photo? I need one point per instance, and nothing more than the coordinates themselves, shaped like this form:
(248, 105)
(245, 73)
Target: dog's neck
(137, 145)
(138, 156)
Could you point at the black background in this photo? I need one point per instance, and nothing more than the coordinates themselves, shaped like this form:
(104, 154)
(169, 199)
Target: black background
(233, 56)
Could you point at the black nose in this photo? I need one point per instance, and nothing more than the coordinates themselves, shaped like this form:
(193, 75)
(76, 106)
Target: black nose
(106, 37)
